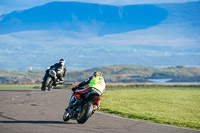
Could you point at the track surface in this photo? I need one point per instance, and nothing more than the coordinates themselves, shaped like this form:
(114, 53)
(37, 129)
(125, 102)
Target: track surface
(41, 112)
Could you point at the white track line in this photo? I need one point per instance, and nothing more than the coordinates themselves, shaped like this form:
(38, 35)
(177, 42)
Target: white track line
(145, 121)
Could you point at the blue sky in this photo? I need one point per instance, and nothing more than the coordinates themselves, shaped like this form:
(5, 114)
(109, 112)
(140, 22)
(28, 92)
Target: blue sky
(7, 6)
(180, 30)
(161, 34)
(165, 34)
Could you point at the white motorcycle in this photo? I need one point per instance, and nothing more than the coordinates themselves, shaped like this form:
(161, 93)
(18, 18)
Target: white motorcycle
(50, 79)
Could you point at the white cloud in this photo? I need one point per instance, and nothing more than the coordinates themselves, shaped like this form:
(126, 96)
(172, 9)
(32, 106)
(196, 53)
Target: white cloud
(153, 36)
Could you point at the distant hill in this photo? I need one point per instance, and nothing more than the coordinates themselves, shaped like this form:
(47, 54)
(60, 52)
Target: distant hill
(116, 73)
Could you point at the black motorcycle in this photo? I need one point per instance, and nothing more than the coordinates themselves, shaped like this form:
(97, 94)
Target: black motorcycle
(50, 80)
(81, 109)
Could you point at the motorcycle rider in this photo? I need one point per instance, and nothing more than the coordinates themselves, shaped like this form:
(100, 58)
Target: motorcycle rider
(60, 69)
(96, 84)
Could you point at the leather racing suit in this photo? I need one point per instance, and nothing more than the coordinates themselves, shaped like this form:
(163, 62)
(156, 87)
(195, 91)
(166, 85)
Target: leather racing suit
(96, 84)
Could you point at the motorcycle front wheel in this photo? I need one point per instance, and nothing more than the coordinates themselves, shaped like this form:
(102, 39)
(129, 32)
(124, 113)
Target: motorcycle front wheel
(46, 84)
(66, 115)
(86, 112)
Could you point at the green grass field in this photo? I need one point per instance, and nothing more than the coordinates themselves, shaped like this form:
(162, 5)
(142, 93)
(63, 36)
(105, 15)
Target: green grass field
(178, 106)
(29, 87)
(19, 87)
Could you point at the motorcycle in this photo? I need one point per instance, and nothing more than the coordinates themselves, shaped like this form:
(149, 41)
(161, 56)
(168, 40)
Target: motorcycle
(50, 80)
(81, 107)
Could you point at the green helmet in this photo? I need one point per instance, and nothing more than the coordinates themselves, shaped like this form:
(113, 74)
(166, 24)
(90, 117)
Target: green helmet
(97, 74)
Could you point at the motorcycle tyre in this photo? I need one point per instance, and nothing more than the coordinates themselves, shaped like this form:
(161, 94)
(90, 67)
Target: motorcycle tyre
(64, 116)
(86, 113)
(43, 88)
(46, 83)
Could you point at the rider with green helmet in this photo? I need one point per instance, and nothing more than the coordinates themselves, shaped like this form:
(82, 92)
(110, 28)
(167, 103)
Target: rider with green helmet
(96, 83)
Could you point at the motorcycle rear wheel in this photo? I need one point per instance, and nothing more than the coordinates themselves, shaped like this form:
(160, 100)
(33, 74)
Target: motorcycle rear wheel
(86, 112)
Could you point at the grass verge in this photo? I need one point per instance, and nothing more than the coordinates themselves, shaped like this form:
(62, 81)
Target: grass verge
(178, 106)
(19, 87)
(29, 87)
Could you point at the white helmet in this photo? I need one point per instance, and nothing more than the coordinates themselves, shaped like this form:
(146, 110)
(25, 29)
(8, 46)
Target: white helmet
(62, 61)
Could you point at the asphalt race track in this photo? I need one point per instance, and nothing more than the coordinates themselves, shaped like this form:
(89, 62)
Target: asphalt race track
(41, 112)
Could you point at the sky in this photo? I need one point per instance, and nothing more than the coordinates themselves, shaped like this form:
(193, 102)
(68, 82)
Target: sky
(7, 6)
(158, 35)
(177, 31)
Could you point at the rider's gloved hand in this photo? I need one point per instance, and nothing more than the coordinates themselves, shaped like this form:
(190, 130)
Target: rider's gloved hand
(74, 88)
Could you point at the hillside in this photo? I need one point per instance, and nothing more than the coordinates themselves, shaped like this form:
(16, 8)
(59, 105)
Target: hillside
(116, 73)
